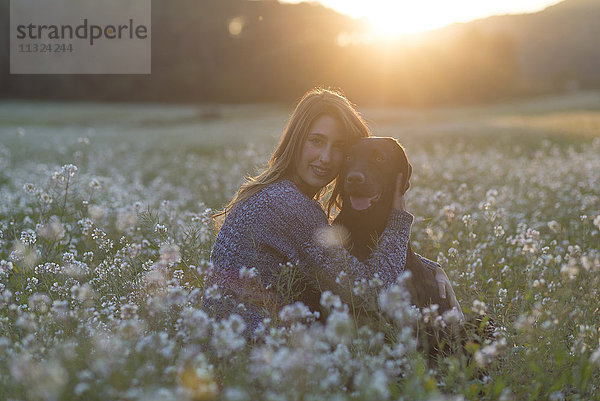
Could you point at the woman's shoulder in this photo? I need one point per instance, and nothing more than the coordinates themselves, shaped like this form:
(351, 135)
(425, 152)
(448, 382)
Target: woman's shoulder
(277, 206)
(283, 195)
(281, 188)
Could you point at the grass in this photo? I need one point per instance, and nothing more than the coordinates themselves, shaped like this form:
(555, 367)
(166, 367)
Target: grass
(101, 268)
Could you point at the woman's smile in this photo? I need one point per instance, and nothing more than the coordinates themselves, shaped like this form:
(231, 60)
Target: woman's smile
(320, 171)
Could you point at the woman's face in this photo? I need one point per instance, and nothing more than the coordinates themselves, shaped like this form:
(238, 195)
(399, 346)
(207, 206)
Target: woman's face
(321, 156)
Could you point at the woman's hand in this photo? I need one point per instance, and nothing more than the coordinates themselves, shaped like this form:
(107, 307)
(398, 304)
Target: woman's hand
(399, 202)
(446, 291)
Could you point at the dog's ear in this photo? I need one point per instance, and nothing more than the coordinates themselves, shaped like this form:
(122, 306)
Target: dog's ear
(403, 163)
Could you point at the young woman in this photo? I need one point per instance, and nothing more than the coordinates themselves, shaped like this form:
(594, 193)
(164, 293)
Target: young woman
(275, 221)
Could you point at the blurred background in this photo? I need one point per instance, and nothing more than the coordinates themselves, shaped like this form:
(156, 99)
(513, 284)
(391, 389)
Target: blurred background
(242, 51)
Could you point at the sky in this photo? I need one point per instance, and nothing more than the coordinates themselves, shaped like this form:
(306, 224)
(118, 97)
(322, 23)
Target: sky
(397, 17)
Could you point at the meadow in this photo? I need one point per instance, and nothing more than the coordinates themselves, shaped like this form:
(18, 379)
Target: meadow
(105, 238)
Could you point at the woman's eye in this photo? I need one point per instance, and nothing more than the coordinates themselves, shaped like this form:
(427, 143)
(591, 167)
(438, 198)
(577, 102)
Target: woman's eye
(316, 141)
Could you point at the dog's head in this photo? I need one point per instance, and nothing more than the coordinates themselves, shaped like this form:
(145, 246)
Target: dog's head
(370, 171)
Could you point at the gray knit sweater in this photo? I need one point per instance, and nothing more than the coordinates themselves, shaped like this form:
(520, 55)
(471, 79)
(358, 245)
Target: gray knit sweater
(280, 225)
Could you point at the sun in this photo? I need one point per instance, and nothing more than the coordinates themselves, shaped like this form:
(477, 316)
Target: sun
(396, 18)
(391, 20)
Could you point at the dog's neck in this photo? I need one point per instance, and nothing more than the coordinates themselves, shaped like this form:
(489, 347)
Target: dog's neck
(365, 228)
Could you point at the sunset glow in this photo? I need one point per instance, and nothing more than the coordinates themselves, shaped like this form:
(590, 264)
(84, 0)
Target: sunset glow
(393, 19)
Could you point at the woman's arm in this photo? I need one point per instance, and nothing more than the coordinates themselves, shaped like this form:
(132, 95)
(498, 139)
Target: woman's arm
(303, 226)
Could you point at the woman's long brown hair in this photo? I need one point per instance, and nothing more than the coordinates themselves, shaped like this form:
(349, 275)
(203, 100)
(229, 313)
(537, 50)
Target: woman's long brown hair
(314, 103)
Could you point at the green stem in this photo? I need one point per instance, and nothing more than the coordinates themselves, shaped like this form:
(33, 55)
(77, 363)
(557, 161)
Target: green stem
(62, 212)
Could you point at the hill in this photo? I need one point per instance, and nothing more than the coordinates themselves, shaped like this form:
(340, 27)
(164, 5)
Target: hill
(556, 48)
(280, 50)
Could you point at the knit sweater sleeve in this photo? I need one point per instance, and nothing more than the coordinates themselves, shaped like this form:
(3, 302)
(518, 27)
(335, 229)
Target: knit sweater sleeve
(430, 264)
(303, 226)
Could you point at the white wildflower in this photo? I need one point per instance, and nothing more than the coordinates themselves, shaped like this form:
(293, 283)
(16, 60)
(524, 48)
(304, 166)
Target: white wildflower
(155, 278)
(227, 335)
(96, 212)
(128, 311)
(486, 355)
(82, 293)
(330, 300)
(248, 273)
(169, 254)
(29, 188)
(94, 183)
(160, 228)
(295, 312)
(498, 231)
(196, 323)
(197, 378)
(40, 303)
(595, 357)
(570, 269)
(28, 237)
(449, 211)
(5, 267)
(360, 287)
(394, 300)
(339, 327)
(479, 307)
(205, 268)
(45, 198)
(85, 225)
(212, 292)
(452, 316)
(342, 278)
(65, 172)
(554, 226)
(53, 230)
(466, 219)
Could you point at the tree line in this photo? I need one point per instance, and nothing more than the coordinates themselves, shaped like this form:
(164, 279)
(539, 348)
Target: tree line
(265, 51)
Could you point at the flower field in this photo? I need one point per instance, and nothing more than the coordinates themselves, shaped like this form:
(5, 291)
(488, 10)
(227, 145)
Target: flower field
(105, 238)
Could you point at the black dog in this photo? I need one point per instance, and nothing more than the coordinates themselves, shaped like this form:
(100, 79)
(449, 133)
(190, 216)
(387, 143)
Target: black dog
(369, 179)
